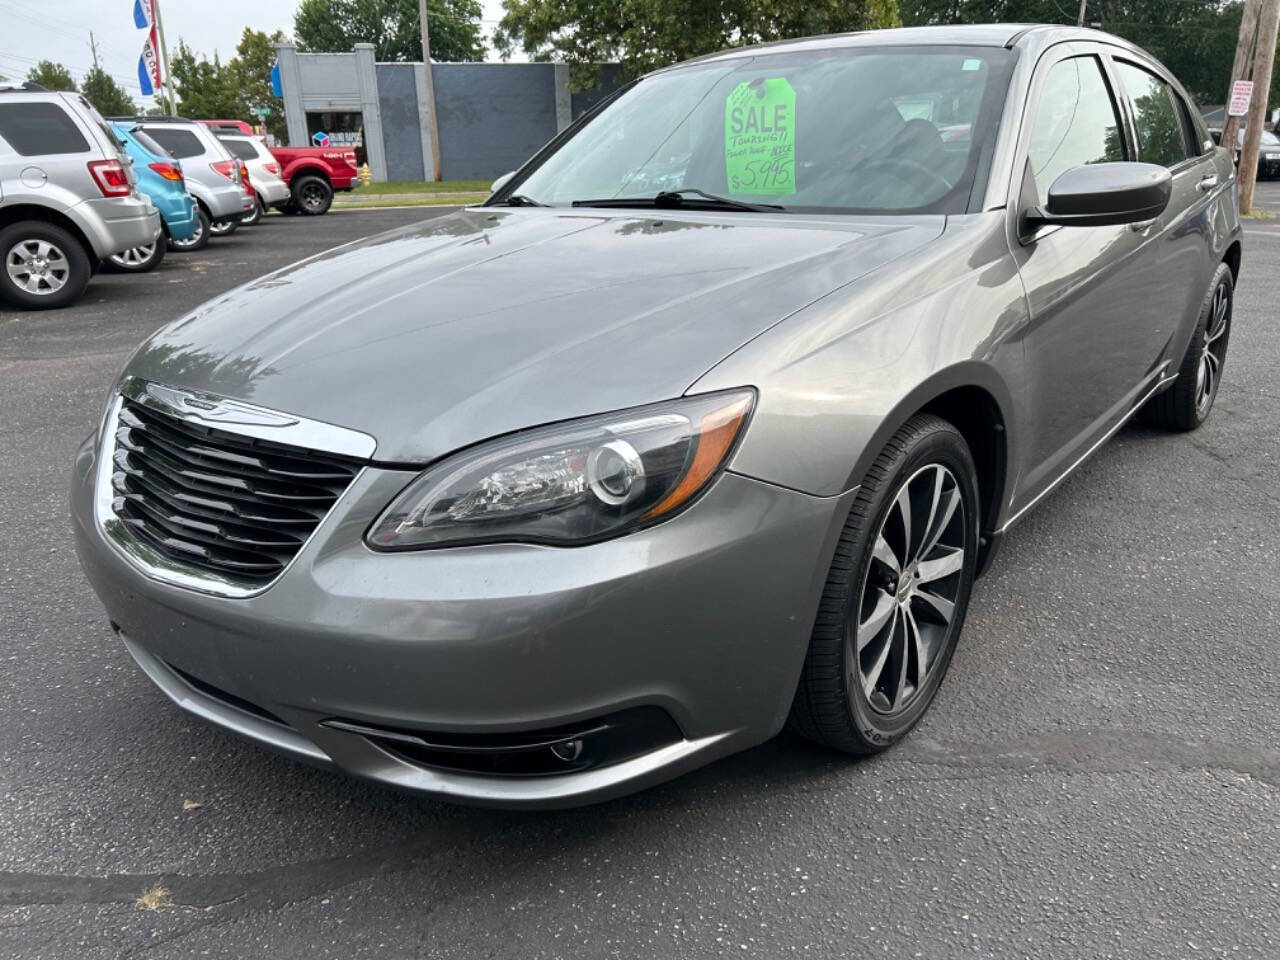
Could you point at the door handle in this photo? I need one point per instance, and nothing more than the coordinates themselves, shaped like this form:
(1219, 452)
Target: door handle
(1205, 184)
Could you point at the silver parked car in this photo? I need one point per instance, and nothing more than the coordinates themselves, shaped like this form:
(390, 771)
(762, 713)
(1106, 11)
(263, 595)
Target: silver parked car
(211, 172)
(704, 424)
(264, 172)
(68, 197)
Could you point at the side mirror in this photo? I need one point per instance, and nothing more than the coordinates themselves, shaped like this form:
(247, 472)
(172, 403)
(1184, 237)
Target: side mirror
(501, 182)
(1104, 195)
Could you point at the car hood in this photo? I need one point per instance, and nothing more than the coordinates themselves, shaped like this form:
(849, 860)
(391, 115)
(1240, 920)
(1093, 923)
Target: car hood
(486, 321)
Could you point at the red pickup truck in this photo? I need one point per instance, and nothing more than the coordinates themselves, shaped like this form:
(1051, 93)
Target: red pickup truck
(312, 173)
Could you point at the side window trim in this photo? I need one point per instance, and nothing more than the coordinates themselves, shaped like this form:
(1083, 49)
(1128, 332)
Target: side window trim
(1194, 152)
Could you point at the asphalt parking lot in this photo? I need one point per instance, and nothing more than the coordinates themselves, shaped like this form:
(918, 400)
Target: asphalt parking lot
(1099, 777)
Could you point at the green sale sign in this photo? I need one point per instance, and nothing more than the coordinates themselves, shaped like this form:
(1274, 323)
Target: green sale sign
(760, 137)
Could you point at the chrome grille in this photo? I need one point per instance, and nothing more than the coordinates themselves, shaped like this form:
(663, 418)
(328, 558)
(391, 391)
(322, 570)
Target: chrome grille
(217, 501)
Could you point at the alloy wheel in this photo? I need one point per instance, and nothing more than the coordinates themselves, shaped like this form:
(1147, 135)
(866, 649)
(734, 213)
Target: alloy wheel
(1213, 349)
(901, 624)
(37, 266)
(135, 257)
(221, 227)
(192, 240)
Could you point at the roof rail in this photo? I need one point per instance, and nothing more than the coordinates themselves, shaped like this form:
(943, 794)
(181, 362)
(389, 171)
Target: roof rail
(147, 118)
(27, 86)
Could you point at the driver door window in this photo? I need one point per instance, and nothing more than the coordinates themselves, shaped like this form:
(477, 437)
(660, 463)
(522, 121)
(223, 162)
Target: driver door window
(1075, 123)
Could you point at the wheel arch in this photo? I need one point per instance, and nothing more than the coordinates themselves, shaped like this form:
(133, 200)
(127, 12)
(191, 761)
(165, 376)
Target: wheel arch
(1231, 257)
(21, 212)
(310, 169)
(975, 399)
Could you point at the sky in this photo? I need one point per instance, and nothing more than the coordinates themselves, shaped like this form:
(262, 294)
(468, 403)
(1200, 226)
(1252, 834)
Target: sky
(59, 30)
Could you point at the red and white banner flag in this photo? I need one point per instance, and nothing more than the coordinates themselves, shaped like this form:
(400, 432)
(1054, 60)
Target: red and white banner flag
(149, 64)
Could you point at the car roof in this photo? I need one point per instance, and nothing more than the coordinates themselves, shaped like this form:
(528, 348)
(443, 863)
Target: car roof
(1009, 35)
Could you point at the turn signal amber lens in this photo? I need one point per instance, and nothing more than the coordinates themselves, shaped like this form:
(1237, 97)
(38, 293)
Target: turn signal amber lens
(716, 434)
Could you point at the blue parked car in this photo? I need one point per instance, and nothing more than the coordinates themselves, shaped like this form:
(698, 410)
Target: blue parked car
(160, 178)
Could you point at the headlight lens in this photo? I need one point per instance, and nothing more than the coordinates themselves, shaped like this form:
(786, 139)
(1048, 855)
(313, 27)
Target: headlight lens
(571, 483)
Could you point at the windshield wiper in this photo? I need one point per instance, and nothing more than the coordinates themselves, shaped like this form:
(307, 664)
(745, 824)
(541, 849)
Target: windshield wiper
(520, 200)
(678, 198)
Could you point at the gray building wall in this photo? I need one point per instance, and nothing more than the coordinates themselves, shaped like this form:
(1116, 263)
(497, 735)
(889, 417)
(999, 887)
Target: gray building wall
(491, 117)
(398, 102)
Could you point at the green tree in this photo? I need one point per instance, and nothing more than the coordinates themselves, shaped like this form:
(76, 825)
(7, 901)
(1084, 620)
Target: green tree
(51, 76)
(392, 27)
(645, 34)
(1195, 39)
(250, 73)
(108, 96)
(206, 90)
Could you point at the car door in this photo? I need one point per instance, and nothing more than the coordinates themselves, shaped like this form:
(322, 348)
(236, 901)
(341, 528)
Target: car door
(1179, 248)
(1087, 346)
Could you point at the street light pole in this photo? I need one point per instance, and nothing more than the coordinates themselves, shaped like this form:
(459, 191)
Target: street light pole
(433, 129)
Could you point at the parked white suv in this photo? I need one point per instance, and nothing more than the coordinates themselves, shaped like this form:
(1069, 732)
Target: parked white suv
(264, 171)
(68, 197)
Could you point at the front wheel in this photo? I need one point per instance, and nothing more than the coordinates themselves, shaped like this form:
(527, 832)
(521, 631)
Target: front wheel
(139, 259)
(312, 195)
(896, 594)
(1187, 404)
(44, 266)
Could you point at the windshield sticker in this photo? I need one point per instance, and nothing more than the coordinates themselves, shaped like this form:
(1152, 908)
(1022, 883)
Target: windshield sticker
(760, 137)
(972, 65)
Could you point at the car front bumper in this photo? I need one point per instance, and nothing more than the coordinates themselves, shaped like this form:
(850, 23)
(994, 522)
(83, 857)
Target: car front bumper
(706, 616)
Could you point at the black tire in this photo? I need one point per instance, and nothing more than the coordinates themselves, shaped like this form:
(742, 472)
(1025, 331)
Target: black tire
(224, 227)
(62, 266)
(312, 195)
(254, 216)
(199, 240)
(1189, 401)
(139, 259)
(831, 705)
(288, 208)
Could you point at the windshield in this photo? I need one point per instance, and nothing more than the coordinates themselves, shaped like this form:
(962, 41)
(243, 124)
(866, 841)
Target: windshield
(884, 130)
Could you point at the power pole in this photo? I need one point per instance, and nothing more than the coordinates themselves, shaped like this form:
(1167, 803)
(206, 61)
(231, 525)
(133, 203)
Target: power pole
(93, 47)
(1240, 66)
(434, 130)
(1268, 27)
(164, 58)
(1080, 17)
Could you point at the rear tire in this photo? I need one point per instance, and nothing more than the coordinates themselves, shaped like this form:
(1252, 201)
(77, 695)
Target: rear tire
(225, 227)
(1189, 401)
(140, 259)
(253, 216)
(896, 594)
(196, 241)
(312, 195)
(44, 267)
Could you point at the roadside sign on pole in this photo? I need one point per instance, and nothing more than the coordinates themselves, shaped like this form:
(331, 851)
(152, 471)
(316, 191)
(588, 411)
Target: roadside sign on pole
(1241, 94)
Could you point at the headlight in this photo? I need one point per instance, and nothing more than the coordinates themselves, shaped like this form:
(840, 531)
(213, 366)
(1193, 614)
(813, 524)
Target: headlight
(571, 483)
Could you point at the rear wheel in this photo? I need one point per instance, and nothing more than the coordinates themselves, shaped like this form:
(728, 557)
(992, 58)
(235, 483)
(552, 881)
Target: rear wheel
(896, 594)
(224, 228)
(254, 215)
(44, 266)
(198, 239)
(139, 259)
(312, 195)
(1187, 404)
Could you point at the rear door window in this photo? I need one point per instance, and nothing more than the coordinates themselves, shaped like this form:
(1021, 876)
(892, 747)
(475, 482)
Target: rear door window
(1162, 134)
(242, 149)
(180, 143)
(1075, 122)
(39, 129)
(148, 143)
